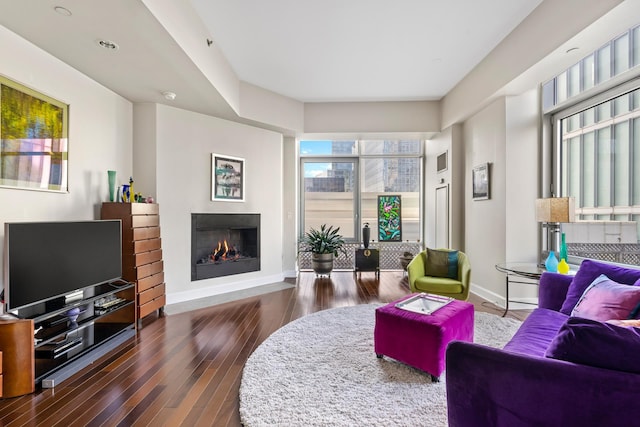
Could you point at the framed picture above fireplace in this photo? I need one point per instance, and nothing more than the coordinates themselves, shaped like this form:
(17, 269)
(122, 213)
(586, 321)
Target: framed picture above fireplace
(227, 178)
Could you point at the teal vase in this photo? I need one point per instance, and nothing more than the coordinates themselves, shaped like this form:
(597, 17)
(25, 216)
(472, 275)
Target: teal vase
(551, 264)
(563, 249)
(112, 185)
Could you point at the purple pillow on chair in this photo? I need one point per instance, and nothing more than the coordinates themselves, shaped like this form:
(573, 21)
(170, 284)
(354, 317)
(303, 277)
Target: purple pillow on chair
(605, 300)
(593, 343)
(589, 271)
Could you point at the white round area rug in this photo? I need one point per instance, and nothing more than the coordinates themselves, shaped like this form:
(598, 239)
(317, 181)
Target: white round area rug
(321, 370)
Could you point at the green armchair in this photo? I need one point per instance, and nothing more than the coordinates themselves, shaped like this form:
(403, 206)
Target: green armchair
(427, 275)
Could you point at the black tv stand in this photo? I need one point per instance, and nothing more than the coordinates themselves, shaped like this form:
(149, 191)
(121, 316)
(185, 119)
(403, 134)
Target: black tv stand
(58, 348)
(71, 333)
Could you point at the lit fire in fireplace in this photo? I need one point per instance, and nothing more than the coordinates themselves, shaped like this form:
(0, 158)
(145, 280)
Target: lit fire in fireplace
(224, 252)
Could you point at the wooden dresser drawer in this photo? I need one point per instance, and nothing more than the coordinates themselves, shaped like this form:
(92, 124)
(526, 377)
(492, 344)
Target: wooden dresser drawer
(151, 306)
(145, 297)
(136, 260)
(145, 221)
(145, 233)
(131, 272)
(146, 245)
(150, 281)
(148, 270)
(117, 210)
(148, 257)
(131, 247)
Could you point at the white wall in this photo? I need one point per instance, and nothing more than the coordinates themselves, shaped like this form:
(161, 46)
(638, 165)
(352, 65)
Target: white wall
(144, 150)
(485, 230)
(184, 143)
(264, 106)
(336, 117)
(449, 141)
(522, 176)
(100, 136)
(290, 197)
(505, 134)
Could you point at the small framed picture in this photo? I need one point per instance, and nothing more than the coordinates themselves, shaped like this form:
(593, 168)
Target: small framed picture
(441, 162)
(227, 178)
(481, 182)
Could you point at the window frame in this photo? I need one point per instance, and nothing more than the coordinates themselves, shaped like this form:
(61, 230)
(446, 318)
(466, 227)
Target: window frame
(359, 158)
(554, 118)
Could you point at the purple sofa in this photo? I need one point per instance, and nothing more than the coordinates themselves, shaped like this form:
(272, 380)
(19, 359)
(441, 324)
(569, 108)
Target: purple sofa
(557, 370)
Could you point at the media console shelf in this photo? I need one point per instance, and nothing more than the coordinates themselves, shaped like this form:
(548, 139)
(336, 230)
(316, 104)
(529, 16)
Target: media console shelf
(69, 333)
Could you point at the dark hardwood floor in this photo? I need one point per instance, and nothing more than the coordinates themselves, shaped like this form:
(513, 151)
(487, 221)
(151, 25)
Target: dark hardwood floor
(185, 369)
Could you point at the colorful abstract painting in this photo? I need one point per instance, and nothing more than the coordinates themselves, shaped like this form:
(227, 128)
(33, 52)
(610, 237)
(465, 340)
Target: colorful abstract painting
(389, 221)
(227, 178)
(33, 139)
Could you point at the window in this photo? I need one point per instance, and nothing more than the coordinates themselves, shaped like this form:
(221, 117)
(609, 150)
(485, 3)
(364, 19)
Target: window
(599, 165)
(611, 60)
(597, 150)
(341, 182)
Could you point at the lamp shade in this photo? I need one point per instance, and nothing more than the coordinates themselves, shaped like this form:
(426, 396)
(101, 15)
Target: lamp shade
(556, 209)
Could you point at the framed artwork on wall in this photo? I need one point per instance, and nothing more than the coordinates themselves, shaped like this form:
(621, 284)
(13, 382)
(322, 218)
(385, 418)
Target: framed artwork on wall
(389, 221)
(442, 162)
(481, 184)
(33, 139)
(227, 178)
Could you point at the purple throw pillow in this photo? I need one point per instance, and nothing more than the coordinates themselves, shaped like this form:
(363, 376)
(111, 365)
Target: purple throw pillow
(593, 343)
(589, 271)
(605, 299)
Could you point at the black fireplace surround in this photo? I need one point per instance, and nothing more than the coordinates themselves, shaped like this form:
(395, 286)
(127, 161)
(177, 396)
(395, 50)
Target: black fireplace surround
(224, 244)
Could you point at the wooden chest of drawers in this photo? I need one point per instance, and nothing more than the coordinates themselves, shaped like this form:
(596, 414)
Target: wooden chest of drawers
(141, 252)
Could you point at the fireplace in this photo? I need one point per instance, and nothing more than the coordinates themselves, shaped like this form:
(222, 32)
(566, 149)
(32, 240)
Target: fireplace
(224, 244)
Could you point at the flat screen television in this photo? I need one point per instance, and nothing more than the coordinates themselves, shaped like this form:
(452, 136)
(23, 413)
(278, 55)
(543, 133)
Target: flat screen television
(47, 260)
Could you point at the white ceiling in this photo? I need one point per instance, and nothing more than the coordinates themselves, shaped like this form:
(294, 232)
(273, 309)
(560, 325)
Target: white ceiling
(358, 50)
(330, 50)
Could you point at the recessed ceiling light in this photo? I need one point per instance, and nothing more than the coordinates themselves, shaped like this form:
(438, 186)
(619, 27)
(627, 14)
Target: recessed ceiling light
(169, 95)
(62, 10)
(108, 44)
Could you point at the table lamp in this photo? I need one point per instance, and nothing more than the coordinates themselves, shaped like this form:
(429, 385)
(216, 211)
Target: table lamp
(553, 211)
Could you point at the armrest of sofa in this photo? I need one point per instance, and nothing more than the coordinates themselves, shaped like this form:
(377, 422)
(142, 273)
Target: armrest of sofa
(415, 268)
(553, 290)
(493, 387)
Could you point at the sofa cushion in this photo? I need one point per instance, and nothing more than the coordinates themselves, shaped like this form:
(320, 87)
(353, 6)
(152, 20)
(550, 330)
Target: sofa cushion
(589, 270)
(606, 299)
(536, 332)
(438, 285)
(599, 344)
(441, 263)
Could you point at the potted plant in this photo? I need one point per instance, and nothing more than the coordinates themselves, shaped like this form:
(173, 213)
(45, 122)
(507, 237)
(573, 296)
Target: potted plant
(324, 244)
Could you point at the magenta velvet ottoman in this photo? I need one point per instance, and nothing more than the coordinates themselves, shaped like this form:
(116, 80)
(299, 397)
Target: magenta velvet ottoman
(420, 340)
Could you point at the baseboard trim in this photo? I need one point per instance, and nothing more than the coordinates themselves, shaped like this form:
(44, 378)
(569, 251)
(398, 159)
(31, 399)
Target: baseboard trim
(526, 303)
(221, 288)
